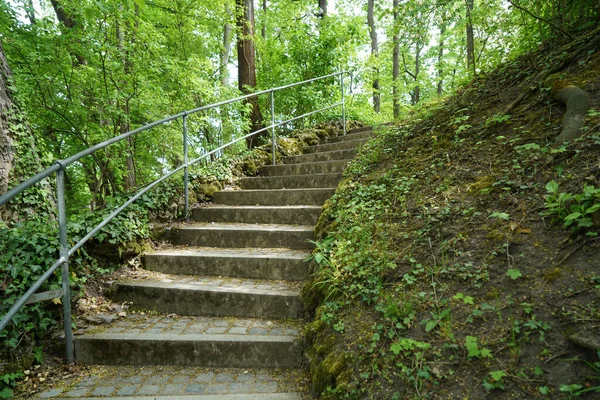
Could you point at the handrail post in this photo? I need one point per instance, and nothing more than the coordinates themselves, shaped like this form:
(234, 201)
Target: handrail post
(185, 168)
(64, 252)
(273, 125)
(343, 103)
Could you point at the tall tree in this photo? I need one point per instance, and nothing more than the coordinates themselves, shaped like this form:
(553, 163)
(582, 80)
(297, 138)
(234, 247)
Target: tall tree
(396, 62)
(470, 37)
(247, 61)
(323, 7)
(375, 55)
(7, 113)
(440, 61)
(225, 49)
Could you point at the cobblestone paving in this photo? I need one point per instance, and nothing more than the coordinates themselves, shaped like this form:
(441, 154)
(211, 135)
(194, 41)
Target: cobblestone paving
(101, 381)
(183, 325)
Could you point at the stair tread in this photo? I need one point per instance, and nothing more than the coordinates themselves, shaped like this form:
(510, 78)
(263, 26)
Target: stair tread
(249, 396)
(234, 226)
(258, 207)
(213, 284)
(175, 327)
(283, 254)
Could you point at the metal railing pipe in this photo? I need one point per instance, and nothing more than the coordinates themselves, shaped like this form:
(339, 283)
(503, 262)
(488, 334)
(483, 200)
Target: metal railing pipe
(273, 145)
(185, 170)
(343, 104)
(64, 253)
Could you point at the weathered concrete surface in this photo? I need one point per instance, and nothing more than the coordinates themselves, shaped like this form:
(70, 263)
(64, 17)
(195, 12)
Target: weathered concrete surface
(237, 263)
(251, 299)
(351, 135)
(261, 396)
(347, 154)
(218, 351)
(343, 145)
(178, 382)
(302, 215)
(242, 235)
(292, 181)
(320, 167)
(275, 197)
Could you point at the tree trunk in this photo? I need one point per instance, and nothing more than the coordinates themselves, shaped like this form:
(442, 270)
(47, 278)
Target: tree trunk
(70, 22)
(247, 62)
(440, 65)
(125, 123)
(396, 64)
(470, 37)
(226, 50)
(263, 30)
(375, 53)
(30, 11)
(7, 111)
(417, 90)
(323, 7)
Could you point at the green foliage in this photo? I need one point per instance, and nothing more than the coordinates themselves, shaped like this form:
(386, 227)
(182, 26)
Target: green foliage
(473, 349)
(574, 211)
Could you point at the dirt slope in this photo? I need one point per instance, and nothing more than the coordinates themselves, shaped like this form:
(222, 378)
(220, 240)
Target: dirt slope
(459, 257)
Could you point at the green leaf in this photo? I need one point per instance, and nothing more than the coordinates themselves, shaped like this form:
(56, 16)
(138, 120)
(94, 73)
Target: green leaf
(544, 390)
(514, 273)
(499, 215)
(573, 216)
(552, 187)
(6, 393)
(430, 325)
(498, 375)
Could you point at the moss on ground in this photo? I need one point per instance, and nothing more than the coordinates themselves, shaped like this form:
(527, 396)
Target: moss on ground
(447, 266)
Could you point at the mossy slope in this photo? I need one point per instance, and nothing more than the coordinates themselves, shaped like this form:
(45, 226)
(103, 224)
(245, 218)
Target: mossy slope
(445, 269)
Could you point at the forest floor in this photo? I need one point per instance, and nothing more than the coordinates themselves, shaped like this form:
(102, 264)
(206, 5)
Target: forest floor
(457, 259)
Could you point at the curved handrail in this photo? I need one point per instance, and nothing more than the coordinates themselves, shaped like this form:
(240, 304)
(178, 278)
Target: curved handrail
(59, 168)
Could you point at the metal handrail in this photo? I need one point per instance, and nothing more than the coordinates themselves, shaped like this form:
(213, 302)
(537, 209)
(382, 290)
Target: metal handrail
(59, 168)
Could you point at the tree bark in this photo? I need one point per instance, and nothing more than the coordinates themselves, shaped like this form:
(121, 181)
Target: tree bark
(417, 90)
(323, 7)
(70, 22)
(396, 64)
(225, 50)
(7, 110)
(263, 29)
(470, 37)
(247, 62)
(375, 53)
(440, 65)
(30, 11)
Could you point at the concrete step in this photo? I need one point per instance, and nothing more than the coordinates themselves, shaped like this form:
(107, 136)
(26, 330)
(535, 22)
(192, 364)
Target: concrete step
(242, 235)
(276, 264)
(321, 156)
(201, 296)
(311, 181)
(178, 383)
(358, 130)
(275, 197)
(186, 396)
(321, 167)
(189, 341)
(351, 136)
(350, 144)
(303, 215)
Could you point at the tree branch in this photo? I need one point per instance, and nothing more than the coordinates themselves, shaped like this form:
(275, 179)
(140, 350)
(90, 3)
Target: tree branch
(542, 19)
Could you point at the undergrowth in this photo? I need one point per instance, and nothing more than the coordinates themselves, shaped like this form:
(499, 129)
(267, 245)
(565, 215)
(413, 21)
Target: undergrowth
(458, 257)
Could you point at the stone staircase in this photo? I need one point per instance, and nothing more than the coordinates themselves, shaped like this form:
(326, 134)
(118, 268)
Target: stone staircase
(226, 294)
